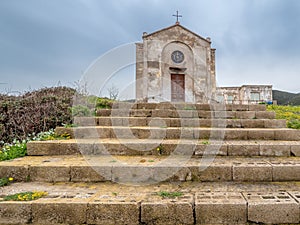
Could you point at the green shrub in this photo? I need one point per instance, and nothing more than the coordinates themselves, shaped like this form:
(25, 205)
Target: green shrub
(294, 124)
(290, 113)
(104, 103)
(80, 110)
(34, 112)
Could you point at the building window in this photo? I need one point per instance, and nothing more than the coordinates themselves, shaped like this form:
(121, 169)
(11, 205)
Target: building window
(220, 98)
(255, 96)
(229, 99)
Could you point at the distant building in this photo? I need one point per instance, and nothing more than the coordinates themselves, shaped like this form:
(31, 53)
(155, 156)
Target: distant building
(175, 64)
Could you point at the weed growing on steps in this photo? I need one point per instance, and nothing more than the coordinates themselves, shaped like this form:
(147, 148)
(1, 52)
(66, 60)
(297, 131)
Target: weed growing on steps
(159, 150)
(166, 194)
(25, 196)
(50, 135)
(70, 125)
(19, 148)
(5, 181)
(205, 142)
(15, 150)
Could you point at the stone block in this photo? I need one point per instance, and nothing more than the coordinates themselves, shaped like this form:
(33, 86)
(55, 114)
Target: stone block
(89, 132)
(168, 172)
(167, 113)
(43, 148)
(190, 122)
(222, 114)
(126, 174)
(186, 113)
(202, 133)
(147, 105)
(252, 171)
(275, 123)
(204, 114)
(105, 121)
(211, 149)
(232, 123)
(287, 170)
(257, 108)
(243, 150)
(169, 105)
(59, 211)
(245, 115)
(274, 149)
(295, 149)
(90, 173)
(167, 211)
(220, 208)
(240, 107)
(118, 209)
(214, 171)
(86, 121)
(173, 133)
(287, 134)
(49, 173)
(124, 105)
(18, 172)
(204, 107)
(261, 134)
(252, 123)
(265, 115)
(103, 112)
(140, 113)
(137, 122)
(236, 134)
(220, 123)
(15, 212)
(272, 208)
(173, 122)
(143, 133)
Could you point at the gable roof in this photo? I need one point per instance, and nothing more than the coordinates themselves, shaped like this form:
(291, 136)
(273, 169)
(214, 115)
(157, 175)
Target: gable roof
(176, 25)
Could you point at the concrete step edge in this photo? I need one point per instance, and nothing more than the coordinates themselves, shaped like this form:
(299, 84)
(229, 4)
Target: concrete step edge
(143, 169)
(165, 147)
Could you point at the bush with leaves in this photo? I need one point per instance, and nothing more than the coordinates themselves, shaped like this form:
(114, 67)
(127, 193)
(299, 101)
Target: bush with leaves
(34, 112)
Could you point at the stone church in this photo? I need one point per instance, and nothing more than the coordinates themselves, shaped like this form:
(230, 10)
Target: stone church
(175, 64)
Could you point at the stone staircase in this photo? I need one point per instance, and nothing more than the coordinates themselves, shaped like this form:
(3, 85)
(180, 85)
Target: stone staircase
(229, 164)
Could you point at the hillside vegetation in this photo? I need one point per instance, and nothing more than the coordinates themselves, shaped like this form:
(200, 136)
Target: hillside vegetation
(286, 98)
(290, 113)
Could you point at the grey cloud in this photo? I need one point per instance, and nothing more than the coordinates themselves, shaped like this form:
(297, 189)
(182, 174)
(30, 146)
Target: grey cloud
(48, 41)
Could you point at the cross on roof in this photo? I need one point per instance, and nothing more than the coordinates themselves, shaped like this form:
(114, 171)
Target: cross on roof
(177, 16)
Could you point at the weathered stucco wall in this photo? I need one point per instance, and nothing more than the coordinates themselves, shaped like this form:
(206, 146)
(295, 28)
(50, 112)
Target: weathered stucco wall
(246, 94)
(154, 63)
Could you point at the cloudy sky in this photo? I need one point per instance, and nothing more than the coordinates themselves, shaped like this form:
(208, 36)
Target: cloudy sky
(50, 42)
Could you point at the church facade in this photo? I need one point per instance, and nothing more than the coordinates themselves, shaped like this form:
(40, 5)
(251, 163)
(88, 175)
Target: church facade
(175, 64)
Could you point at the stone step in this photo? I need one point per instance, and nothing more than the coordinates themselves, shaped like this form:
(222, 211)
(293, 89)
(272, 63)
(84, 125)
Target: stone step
(140, 170)
(179, 122)
(171, 113)
(189, 106)
(181, 133)
(197, 203)
(157, 147)
(201, 203)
